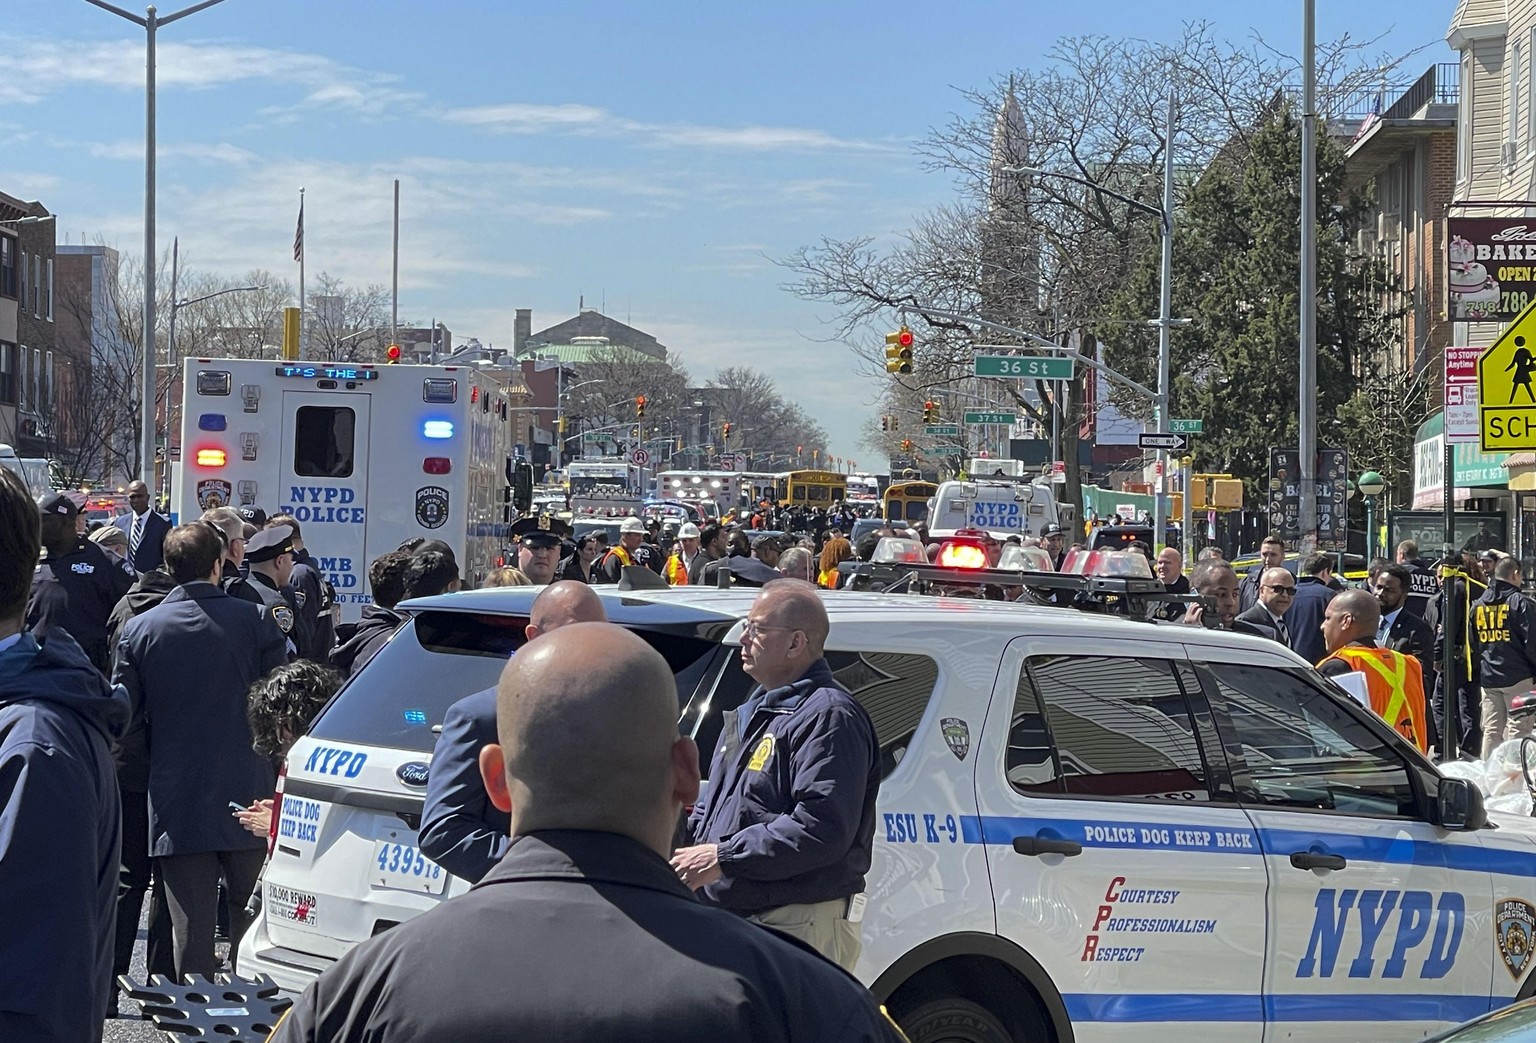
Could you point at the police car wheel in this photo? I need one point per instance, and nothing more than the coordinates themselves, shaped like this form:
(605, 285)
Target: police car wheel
(954, 1020)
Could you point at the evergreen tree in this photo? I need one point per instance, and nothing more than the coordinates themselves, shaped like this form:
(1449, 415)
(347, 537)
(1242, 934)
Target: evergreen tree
(1237, 275)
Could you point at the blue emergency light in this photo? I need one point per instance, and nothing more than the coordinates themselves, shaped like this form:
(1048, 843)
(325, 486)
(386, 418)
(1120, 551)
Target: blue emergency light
(211, 422)
(437, 429)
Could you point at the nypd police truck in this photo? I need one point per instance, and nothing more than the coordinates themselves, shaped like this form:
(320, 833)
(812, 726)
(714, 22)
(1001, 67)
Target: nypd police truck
(364, 457)
(1000, 506)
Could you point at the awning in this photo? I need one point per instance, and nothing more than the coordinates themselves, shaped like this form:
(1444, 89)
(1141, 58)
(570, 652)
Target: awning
(1522, 472)
(1475, 469)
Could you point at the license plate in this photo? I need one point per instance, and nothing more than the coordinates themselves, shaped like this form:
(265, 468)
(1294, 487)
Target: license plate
(404, 868)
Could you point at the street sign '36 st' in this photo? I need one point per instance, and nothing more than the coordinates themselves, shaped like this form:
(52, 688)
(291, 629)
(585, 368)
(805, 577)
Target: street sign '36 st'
(1506, 388)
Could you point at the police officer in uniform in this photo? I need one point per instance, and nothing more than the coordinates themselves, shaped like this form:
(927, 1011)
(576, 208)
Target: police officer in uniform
(77, 585)
(270, 553)
(538, 546)
(581, 932)
(1423, 587)
(313, 594)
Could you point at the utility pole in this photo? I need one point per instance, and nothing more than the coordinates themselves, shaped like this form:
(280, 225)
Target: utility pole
(1164, 334)
(1306, 443)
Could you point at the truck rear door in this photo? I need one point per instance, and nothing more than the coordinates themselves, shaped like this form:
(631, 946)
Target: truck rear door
(324, 482)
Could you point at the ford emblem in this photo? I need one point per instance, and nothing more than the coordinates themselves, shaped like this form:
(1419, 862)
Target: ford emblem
(412, 774)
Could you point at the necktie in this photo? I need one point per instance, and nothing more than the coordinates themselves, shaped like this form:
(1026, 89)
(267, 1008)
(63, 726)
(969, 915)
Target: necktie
(1285, 635)
(138, 534)
(1381, 632)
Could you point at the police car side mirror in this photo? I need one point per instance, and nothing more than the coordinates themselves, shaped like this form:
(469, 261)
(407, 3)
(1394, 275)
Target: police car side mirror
(1459, 805)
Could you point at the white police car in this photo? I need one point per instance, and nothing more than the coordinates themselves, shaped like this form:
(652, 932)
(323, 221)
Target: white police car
(1089, 827)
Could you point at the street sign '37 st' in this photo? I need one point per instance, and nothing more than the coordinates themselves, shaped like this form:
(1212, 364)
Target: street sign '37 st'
(1506, 388)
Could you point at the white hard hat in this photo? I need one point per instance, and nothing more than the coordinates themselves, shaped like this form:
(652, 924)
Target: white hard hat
(632, 524)
(689, 531)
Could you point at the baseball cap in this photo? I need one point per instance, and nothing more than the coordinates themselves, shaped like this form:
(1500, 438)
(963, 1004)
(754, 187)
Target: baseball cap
(1053, 530)
(632, 524)
(689, 531)
(255, 515)
(57, 502)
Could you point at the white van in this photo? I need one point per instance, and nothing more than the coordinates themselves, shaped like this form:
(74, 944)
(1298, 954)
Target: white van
(1003, 508)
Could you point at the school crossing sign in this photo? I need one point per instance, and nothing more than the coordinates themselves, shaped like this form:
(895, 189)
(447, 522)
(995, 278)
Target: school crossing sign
(1506, 388)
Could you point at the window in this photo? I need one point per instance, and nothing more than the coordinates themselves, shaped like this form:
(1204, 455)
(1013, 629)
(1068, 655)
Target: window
(25, 276)
(48, 293)
(45, 380)
(324, 441)
(1293, 744)
(1101, 726)
(7, 368)
(7, 266)
(893, 687)
(1530, 100)
(1513, 136)
(1464, 121)
(37, 286)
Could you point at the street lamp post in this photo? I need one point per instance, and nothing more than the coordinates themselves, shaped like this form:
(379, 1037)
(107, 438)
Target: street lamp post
(1371, 485)
(1165, 320)
(150, 22)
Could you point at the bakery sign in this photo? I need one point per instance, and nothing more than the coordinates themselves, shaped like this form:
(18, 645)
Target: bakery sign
(1491, 269)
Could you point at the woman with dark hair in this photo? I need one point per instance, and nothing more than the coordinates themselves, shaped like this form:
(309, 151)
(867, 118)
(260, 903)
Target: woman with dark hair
(579, 565)
(279, 709)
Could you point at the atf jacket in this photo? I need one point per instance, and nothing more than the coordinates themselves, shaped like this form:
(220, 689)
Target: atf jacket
(461, 830)
(588, 936)
(59, 839)
(791, 800)
(376, 627)
(1504, 635)
(187, 664)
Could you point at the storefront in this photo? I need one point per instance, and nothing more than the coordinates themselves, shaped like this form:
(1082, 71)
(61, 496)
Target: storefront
(1482, 485)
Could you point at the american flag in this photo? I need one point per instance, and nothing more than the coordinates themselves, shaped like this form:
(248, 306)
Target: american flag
(298, 236)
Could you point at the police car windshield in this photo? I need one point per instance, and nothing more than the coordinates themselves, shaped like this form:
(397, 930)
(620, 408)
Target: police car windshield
(401, 695)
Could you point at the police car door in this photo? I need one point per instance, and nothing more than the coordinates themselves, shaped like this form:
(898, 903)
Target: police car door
(325, 480)
(1380, 920)
(1119, 858)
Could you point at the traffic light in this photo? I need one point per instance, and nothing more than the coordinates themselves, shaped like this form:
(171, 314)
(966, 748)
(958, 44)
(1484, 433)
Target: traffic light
(885, 421)
(639, 407)
(898, 351)
(392, 355)
(930, 412)
(725, 429)
(906, 445)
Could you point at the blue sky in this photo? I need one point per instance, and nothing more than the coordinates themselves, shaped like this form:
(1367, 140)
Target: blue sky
(652, 157)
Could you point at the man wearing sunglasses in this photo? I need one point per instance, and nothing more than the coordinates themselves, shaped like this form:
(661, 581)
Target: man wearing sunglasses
(785, 833)
(1277, 588)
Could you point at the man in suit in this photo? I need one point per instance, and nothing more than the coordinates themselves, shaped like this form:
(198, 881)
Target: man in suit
(1271, 556)
(187, 665)
(460, 829)
(1277, 589)
(1400, 629)
(145, 529)
(1305, 618)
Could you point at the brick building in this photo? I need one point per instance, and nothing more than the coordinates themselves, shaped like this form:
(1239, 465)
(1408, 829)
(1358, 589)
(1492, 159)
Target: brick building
(27, 343)
(1407, 157)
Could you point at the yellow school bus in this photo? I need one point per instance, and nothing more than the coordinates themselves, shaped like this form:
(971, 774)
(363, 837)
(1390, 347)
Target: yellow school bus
(908, 501)
(809, 488)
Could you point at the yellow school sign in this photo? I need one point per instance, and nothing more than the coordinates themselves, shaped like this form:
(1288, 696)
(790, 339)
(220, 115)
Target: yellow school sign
(1506, 388)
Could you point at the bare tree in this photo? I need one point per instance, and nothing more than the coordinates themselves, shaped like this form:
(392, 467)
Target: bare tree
(762, 420)
(1039, 253)
(347, 323)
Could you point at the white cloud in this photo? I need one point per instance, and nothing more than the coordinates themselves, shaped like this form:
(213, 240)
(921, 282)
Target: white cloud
(133, 150)
(518, 118)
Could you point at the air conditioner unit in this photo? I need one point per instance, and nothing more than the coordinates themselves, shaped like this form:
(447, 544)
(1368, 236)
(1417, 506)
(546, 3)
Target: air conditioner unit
(1508, 153)
(1389, 225)
(1365, 241)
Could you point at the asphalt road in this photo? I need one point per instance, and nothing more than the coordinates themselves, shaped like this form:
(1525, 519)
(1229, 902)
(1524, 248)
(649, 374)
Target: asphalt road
(127, 1028)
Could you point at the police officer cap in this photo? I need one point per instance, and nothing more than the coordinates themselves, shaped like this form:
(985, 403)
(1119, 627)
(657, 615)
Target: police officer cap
(270, 543)
(540, 530)
(57, 503)
(1053, 530)
(255, 515)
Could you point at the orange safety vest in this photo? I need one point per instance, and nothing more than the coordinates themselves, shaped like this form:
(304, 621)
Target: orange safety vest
(1395, 683)
(677, 575)
(829, 579)
(617, 552)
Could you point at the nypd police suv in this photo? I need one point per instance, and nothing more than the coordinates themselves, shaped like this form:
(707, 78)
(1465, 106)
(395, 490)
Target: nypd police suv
(1089, 827)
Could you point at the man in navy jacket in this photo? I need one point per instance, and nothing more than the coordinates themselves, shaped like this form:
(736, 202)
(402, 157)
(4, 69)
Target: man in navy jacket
(187, 664)
(59, 810)
(785, 833)
(1304, 619)
(461, 830)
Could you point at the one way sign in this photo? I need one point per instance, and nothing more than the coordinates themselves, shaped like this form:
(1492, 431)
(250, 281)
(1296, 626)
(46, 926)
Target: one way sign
(1171, 442)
